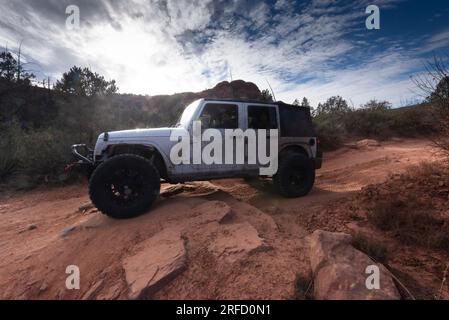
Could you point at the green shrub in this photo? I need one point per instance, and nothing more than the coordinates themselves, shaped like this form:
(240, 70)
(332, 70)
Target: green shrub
(413, 121)
(331, 136)
(371, 120)
(335, 122)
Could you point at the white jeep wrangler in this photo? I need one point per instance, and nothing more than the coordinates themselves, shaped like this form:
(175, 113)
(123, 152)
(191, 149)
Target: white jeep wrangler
(125, 168)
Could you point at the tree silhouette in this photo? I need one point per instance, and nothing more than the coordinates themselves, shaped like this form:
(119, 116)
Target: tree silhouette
(13, 71)
(266, 96)
(8, 66)
(83, 82)
(305, 103)
(441, 92)
(334, 106)
(374, 105)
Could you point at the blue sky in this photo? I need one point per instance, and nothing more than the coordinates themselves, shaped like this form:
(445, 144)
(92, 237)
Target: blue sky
(315, 48)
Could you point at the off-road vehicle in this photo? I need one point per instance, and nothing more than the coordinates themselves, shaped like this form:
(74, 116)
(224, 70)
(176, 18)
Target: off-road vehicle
(125, 168)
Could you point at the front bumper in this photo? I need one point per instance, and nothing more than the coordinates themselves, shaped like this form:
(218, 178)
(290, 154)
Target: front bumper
(85, 162)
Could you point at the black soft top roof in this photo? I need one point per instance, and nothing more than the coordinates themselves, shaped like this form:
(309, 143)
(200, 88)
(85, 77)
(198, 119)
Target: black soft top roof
(296, 121)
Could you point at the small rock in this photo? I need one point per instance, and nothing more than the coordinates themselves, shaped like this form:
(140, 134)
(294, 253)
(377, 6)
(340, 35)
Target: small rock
(367, 143)
(67, 231)
(85, 207)
(92, 211)
(29, 228)
(441, 184)
(158, 261)
(43, 287)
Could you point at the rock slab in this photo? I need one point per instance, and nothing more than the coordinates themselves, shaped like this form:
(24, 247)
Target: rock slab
(157, 262)
(237, 241)
(212, 211)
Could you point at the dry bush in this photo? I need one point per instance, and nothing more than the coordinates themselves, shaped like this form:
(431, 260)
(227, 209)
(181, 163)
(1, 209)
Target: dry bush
(413, 121)
(411, 207)
(426, 170)
(370, 246)
(411, 221)
(435, 87)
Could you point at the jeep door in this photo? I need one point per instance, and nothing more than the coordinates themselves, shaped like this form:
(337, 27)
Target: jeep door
(260, 117)
(221, 116)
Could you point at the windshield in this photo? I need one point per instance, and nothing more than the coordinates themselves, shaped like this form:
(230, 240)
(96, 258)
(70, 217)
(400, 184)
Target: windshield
(188, 114)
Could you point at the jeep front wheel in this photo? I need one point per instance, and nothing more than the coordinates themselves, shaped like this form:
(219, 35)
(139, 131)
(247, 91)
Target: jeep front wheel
(124, 186)
(296, 175)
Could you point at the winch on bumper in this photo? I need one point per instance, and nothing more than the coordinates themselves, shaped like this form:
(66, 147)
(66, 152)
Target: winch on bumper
(85, 163)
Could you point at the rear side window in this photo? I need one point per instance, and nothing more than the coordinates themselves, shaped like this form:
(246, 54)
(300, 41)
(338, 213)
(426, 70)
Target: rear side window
(262, 118)
(220, 116)
(296, 122)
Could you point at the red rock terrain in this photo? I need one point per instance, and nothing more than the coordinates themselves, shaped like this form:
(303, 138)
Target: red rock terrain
(211, 240)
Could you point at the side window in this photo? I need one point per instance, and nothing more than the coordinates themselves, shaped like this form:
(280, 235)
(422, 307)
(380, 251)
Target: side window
(220, 116)
(262, 118)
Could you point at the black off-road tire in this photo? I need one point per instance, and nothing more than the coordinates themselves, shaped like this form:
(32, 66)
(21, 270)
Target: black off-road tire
(124, 186)
(296, 175)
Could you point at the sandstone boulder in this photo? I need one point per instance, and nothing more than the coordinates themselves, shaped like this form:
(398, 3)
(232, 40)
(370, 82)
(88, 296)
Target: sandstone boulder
(237, 89)
(157, 261)
(340, 271)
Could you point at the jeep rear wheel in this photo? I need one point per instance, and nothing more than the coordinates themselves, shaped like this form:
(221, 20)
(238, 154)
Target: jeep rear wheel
(124, 186)
(296, 175)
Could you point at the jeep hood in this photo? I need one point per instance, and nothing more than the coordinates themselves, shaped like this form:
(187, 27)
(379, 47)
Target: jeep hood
(138, 133)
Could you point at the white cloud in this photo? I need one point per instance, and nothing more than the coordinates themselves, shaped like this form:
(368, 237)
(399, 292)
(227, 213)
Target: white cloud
(154, 47)
(437, 41)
